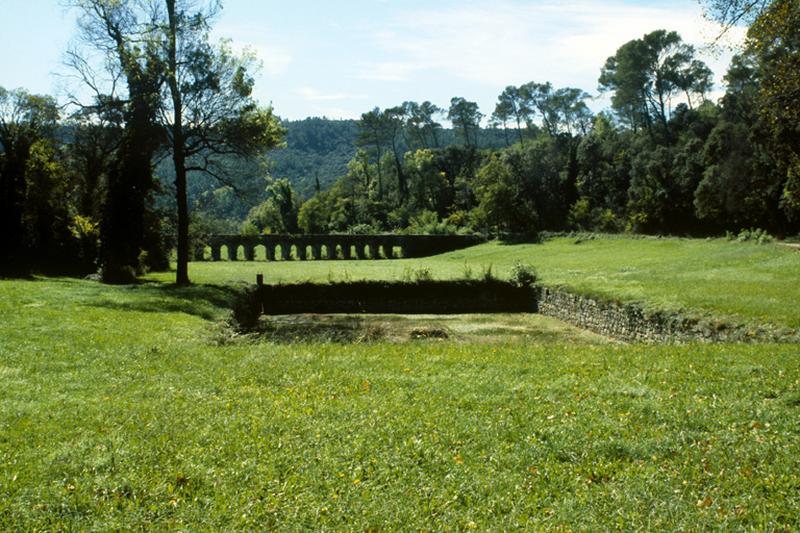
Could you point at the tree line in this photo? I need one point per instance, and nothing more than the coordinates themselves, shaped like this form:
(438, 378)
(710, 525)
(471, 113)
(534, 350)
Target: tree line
(78, 189)
(663, 159)
(171, 139)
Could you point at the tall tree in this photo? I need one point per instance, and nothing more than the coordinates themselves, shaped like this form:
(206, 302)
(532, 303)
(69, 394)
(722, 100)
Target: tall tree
(565, 110)
(421, 126)
(382, 131)
(466, 118)
(122, 32)
(513, 104)
(774, 39)
(646, 74)
(209, 114)
(430, 126)
(25, 121)
(374, 133)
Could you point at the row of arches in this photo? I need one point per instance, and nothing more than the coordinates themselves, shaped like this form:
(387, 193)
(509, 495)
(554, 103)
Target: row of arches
(288, 251)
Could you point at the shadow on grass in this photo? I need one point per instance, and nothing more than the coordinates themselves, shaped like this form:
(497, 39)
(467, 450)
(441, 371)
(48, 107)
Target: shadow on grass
(509, 239)
(209, 302)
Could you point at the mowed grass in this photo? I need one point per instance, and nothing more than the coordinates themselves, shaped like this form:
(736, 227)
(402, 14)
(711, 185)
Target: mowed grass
(743, 282)
(133, 408)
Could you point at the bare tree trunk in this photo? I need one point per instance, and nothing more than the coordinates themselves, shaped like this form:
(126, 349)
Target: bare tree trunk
(178, 150)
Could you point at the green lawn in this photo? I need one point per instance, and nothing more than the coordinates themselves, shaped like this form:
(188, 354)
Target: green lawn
(743, 282)
(135, 408)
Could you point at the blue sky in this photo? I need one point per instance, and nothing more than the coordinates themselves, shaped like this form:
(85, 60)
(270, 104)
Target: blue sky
(341, 58)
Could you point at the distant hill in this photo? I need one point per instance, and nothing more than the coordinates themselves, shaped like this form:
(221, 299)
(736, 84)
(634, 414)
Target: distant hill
(318, 149)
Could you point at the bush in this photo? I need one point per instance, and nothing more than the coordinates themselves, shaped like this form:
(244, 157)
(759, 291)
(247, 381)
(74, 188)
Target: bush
(487, 274)
(756, 235)
(428, 223)
(416, 275)
(523, 275)
(423, 274)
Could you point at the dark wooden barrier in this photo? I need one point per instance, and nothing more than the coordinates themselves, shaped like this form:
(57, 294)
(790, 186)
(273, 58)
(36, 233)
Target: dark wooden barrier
(424, 297)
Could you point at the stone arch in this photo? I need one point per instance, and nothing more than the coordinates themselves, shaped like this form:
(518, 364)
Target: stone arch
(299, 251)
(236, 251)
(260, 252)
(374, 250)
(347, 250)
(330, 251)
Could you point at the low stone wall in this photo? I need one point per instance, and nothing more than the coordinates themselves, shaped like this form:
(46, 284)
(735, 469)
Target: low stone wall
(630, 323)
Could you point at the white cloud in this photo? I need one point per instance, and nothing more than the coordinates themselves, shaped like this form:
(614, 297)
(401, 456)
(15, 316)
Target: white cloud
(391, 70)
(512, 42)
(276, 61)
(313, 95)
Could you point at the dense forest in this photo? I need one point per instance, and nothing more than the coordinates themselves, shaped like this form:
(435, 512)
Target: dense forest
(174, 148)
(664, 158)
(317, 151)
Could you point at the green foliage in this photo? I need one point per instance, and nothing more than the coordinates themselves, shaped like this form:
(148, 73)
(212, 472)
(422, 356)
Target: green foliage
(501, 204)
(313, 216)
(317, 151)
(466, 119)
(278, 214)
(416, 275)
(646, 74)
(523, 275)
(32, 189)
(751, 235)
(487, 273)
(774, 39)
(667, 162)
(423, 274)
(428, 223)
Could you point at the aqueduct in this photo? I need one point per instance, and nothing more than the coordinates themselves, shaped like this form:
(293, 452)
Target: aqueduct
(317, 247)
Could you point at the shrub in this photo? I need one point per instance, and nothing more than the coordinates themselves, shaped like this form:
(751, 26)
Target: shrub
(756, 235)
(523, 275)
(487, 274)
(416, 275)
(423, 274)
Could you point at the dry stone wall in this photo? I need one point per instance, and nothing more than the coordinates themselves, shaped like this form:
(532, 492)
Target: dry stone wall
(630, 323)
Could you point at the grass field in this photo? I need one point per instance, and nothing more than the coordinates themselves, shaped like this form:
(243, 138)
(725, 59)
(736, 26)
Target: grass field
(135, 407)
(140, 407)
(743, 282)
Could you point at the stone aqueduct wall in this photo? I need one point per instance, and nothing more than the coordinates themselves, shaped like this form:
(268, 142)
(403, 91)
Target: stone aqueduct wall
(337, 246)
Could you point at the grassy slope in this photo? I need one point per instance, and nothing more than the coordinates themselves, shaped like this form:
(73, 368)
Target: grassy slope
(119, 409)
(741, 281)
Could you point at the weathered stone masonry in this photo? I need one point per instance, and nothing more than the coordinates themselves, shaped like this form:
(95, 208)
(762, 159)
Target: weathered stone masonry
(630, 323)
